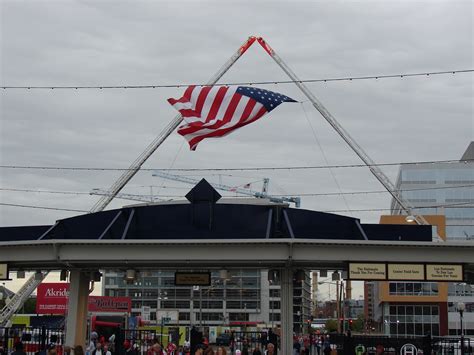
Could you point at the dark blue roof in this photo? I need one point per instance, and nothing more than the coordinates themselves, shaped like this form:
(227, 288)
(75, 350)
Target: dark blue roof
(203, 218)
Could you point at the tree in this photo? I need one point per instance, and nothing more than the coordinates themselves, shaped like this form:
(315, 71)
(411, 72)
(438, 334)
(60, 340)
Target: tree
(358, 324)
(331, 325)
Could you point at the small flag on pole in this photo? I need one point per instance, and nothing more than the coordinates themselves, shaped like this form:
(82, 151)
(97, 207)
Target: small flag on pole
(215, 111)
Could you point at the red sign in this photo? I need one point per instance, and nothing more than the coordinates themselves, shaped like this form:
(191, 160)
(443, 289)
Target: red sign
(109, 304)
(52, 298)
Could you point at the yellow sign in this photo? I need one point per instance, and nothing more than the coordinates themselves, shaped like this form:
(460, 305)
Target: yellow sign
(367, 271)
(4, 272)
(192, 278)
(444, 272)
(406, 271)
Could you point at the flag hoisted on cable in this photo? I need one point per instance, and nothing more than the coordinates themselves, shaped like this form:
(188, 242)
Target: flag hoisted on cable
(215, 111)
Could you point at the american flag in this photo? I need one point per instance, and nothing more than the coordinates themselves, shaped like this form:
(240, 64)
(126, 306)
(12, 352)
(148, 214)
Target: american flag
(215, 111)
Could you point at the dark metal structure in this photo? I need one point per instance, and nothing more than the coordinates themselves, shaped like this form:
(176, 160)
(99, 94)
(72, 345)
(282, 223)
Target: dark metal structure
(204, 217)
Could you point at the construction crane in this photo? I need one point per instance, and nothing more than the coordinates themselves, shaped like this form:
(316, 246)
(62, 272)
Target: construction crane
(19, 298)
(133, 197)
(118, 185)
(239, 190)
(374, 169)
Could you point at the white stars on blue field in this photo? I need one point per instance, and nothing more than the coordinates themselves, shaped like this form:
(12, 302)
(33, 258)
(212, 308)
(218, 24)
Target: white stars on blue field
(267, 98)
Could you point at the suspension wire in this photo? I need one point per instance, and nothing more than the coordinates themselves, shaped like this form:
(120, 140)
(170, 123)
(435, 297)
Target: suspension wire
(324, 156)
(272, 82)
(327, 211)
(76, 168)
(42, 207)
(389, 209)
(277, 195)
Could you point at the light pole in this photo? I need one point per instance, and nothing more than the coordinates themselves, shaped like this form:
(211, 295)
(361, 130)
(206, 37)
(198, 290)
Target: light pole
(162, 295)
(461, 307)
(339, 299)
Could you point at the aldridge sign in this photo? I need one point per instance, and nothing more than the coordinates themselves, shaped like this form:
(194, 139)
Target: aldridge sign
(52, 298)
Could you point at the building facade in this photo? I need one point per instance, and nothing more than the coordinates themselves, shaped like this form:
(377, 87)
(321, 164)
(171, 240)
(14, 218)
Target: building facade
(244, 298)
(442, 189)
(414, 308)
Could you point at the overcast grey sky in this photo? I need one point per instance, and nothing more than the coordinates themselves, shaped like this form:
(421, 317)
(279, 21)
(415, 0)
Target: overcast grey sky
(166, 42)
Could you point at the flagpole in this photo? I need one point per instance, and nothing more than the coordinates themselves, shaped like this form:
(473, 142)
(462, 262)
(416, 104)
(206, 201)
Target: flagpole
(375, 170)
(103, 202)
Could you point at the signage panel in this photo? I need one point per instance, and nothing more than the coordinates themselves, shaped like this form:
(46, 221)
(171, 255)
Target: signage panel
(192, 278)
(4, 272)
(444, 272)
(52, 298)
(406, 272)
(110, 304)
(367, 271)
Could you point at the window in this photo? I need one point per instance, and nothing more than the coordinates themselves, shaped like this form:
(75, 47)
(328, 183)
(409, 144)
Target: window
(413, 288)
(413, 320)
(184, 316)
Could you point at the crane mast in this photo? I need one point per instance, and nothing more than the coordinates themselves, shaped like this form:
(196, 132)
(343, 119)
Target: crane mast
(375, 170)
(103, 202)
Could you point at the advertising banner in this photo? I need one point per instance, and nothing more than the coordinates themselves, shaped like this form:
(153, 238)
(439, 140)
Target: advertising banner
(52, 298)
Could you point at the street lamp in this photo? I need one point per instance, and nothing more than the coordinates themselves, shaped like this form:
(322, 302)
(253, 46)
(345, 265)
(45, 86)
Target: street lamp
(162, 295)
(461, 307)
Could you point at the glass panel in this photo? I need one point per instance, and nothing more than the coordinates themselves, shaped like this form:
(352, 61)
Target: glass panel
(393, 310)
(401, 310)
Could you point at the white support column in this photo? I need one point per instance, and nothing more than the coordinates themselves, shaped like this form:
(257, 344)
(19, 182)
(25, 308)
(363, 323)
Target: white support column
(76, 320)
(286, 292)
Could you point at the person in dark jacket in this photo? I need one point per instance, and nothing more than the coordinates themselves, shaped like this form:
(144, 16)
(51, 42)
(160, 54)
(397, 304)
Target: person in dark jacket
(18, 349)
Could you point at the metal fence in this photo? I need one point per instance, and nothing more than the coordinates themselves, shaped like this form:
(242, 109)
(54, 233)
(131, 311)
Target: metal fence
(34, 339)
(248, 340)
(401, 345)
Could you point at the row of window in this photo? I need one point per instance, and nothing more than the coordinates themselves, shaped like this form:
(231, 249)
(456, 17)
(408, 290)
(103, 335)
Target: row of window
(184, 293)
(455, 289)
(241, 282)
(450, 176)
(180, 304)
(412, 320)
(413, 288)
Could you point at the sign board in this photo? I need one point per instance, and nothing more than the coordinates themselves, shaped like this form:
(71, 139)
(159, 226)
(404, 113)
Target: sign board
(4, 272)
(444, 272)
(167, 316)
(406, 272)
(367, 271)
(401, 272)
(52, 298)
(192, 278)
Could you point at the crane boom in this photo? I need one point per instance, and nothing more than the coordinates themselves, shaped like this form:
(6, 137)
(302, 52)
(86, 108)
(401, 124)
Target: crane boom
(376, 171)
(20, 297)
(133, 197)
(103, 202)
(263, 194)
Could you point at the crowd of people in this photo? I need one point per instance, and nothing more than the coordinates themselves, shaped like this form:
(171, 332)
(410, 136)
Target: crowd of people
(312, 344)
(262, 343)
